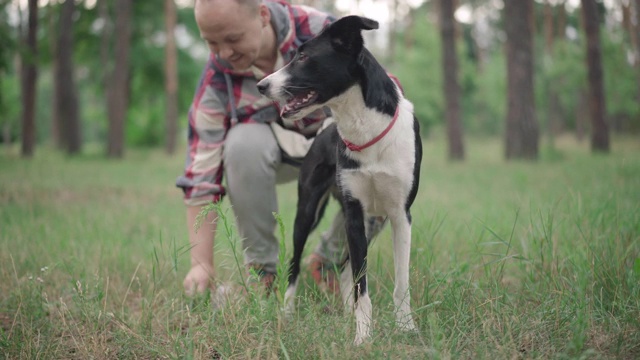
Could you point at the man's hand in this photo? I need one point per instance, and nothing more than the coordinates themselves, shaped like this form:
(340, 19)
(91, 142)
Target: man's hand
(200, 277)
(198, 280)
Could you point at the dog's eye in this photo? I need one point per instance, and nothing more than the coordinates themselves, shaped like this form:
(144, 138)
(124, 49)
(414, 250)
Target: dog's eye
(302, 57)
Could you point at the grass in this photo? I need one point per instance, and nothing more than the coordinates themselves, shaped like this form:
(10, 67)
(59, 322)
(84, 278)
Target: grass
(509, 260)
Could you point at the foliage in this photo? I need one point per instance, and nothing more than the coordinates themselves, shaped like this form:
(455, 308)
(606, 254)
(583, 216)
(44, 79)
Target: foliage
(419, 72)
(8, 90)
(562, 73)
(417, 65)
(145, 119)
(622, 92)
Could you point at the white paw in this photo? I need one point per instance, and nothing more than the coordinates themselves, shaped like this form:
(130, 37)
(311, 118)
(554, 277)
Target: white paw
(289, 309)
(360, 339)
(290, 301)
(406, 325)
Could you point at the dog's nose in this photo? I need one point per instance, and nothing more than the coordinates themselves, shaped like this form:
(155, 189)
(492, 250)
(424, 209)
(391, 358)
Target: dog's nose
(263, 86)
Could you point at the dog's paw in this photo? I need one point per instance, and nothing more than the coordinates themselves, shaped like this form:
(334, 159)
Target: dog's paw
(289, 309)
(360, 339)
(406, 325)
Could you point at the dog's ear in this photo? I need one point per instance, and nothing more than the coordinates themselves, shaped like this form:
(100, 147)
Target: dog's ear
(345, 33)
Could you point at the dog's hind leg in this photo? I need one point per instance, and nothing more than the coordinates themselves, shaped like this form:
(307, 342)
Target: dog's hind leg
(313, 195)
(401, 225)
(358, 260)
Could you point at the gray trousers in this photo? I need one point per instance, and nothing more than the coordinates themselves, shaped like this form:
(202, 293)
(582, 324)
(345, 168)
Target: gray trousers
(253, 167)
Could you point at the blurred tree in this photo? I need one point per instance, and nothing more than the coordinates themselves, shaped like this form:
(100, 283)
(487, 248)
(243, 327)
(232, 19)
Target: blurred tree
(636, 31)
(118, 88)
(29, 79)
(6, 53)
(561, 28)
(548, 26)
(633, 27)
(65, 94)
(522, 127)
(599, 128)
(419, 68)
(171, 78)
(552, 101)
(450, 82)
(105, 40)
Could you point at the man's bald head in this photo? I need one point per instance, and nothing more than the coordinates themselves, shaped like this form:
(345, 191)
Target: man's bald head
(252, 5)
(238, 31)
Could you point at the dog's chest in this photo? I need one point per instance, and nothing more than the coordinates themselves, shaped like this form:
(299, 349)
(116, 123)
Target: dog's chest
(382, 181)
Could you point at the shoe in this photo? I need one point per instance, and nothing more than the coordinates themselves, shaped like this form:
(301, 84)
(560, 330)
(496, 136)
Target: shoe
(324, 274)
(265, 278)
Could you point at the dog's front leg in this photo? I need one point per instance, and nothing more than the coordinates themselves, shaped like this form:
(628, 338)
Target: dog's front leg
(401, 225)
(357, 240)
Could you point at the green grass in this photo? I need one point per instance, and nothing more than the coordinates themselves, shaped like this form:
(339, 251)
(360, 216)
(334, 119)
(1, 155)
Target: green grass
(509, 260)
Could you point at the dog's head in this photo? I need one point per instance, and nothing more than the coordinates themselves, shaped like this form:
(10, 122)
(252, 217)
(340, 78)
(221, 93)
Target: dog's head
(322, 68)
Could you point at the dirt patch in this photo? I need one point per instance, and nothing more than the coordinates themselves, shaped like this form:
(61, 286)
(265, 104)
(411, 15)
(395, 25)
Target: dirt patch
(6, 322)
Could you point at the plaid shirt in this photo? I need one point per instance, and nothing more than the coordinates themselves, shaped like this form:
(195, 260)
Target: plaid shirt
(225, 97)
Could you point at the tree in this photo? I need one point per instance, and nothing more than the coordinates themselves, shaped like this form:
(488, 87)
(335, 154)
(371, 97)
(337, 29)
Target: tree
(66, 99)
(171, 78)
(6, 54)
(118, 89)
(597, 109)
(553, 108)
(29, 80)
(633, 27)
(450, 81)
(636, 24)
(105, 40)
(522, 127)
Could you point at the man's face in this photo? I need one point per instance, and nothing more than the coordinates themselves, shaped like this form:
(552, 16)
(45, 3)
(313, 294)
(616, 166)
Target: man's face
(233, 32)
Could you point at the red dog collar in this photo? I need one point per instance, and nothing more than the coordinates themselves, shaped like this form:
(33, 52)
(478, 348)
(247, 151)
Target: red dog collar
(354, 147)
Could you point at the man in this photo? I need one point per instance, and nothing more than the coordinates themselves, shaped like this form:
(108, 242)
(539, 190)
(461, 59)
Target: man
(233, 135)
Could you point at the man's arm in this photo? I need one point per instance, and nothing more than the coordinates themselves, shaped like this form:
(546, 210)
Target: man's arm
(202, 272)
(202, 180)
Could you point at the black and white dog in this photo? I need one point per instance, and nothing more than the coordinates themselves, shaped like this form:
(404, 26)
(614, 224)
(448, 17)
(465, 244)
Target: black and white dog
(372, 153)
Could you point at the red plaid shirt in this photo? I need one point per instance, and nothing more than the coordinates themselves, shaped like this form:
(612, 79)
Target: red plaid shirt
(225, 97)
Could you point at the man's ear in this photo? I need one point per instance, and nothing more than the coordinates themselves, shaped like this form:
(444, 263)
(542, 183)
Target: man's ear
(345, 33)
(265, 15)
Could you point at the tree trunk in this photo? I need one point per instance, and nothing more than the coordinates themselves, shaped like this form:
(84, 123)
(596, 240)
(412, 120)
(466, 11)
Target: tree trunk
(548, 26)
(635, 32)
(562, 20)
(393, 29)
(597, 109)
(636, 25)
(409, 37)
(53, 21)
(522, 127)
(171, 78)
(105, 40)
(29, 80)
(450, 83)
(66, 104)
(117, 97)
(552, 96)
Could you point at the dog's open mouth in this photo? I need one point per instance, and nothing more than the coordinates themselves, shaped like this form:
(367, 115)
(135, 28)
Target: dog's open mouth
(296, 103)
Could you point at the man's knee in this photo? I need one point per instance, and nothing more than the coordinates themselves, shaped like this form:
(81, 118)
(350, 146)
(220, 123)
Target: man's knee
(251, 147)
